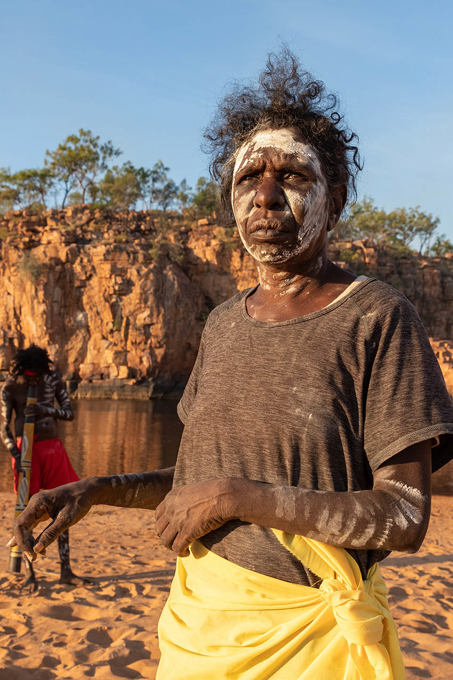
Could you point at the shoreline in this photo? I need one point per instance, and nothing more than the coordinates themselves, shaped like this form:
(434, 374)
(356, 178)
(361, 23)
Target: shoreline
(117, 389)
(120, 388)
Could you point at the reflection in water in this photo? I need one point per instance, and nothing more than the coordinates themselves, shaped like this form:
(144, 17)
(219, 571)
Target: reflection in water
(111, 437)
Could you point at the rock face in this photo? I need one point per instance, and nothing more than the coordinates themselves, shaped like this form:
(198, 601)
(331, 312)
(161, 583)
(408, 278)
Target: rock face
(426, 281)
(120, 299)
(443, 350)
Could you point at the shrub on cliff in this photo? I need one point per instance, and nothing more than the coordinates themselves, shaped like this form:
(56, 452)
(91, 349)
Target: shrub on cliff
(29, 267)
(402, 230)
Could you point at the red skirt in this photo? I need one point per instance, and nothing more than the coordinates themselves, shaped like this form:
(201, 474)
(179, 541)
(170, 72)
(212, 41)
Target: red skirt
(50, 466)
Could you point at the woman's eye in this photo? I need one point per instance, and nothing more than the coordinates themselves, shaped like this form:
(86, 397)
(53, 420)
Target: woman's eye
(246, 178)
(292, 174)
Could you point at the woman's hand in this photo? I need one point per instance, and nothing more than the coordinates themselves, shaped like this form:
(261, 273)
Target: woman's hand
(189, 512)
(65, 505)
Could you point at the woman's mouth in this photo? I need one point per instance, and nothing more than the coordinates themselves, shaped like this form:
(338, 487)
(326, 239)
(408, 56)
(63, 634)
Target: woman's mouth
(270, 235)
(270, 231)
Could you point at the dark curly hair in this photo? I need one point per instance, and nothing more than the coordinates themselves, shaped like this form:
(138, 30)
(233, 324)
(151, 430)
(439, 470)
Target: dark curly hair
(285, 96)
(33, 358)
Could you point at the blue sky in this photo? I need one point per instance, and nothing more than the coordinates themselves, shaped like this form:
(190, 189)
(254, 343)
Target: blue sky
(148, 74)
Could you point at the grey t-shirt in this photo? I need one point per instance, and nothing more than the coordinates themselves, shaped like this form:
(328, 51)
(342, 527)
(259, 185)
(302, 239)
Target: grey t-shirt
(319, 402)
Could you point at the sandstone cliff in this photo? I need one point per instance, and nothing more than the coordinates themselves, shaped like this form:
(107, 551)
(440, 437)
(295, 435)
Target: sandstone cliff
(120, 299)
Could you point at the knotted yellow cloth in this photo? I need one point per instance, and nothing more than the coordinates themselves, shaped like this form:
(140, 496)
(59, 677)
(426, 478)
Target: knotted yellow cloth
(223, 621)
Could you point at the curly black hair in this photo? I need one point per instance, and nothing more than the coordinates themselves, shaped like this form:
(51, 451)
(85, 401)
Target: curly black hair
(33, 358)
(285, 96)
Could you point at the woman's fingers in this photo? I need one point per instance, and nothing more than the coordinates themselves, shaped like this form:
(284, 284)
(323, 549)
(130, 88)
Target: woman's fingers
(166, 532)
(40, 508)
(51, 532)
(26, 545)
(167, 537)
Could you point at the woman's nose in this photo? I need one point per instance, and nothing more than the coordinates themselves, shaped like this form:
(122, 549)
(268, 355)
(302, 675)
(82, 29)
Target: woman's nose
(269, 195)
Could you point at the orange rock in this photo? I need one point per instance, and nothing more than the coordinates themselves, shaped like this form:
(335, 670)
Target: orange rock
(136, 307)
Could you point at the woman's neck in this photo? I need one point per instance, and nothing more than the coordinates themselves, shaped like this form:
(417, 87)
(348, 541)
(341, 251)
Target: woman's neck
(286, 294)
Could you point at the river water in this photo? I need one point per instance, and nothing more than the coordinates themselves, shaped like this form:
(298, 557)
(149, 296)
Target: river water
(111, 437)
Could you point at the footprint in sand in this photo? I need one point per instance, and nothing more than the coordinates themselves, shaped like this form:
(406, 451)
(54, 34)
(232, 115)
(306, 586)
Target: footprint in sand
(129, 609)
(422, 626)
(396, 593)
(414, 672)
(49, 661)
(438, 619)
(61, 612)
(99, 636)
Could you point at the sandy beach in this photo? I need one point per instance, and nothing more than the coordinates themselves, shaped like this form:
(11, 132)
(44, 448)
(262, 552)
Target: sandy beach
(109, 629)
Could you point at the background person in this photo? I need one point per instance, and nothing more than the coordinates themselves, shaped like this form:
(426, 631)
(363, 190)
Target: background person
(313, 417)
(51, 466)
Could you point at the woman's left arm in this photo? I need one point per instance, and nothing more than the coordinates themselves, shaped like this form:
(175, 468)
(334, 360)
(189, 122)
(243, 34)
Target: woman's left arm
(393, 515)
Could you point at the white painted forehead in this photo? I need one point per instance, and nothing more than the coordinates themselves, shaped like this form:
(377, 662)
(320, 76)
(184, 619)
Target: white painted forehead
(282, 139)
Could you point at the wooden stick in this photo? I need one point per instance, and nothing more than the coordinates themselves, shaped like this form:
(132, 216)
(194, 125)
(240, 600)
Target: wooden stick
(23, 487)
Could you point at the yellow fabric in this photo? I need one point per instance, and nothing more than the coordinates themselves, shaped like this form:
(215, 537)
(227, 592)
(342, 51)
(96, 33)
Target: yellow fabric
(222, 621)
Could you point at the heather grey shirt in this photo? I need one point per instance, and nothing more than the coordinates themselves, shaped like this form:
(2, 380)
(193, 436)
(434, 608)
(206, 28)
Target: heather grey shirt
(317, 402)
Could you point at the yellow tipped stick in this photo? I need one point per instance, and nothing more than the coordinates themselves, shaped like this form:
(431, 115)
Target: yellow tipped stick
(23, 487)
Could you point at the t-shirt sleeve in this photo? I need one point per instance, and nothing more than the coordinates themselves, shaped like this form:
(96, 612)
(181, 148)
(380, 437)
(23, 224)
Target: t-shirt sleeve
(406, 398)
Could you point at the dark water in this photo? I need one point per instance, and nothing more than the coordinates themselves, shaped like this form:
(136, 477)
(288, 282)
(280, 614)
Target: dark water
(111, 437)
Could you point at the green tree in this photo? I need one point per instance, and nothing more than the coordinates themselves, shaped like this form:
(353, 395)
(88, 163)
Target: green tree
(206, 197)
(162, 190)
(78, 162)
(184, 196)
(411, 227)
(441, 246)
(25, 188)
(367, 221)
(9, 193)
(402, 229)
(34, 186)
(124, 186)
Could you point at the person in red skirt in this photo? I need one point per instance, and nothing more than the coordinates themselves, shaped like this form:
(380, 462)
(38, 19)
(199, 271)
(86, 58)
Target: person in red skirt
(51, 466)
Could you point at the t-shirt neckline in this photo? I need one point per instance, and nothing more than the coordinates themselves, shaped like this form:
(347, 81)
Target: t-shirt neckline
(358, 284)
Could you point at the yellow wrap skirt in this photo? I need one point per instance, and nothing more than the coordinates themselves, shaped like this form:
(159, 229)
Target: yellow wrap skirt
(223, 621)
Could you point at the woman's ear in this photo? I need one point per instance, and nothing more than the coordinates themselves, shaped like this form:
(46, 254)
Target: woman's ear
(338, 196)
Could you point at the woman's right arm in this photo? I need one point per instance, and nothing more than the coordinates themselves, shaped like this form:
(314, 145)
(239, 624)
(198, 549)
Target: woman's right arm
(67, 504)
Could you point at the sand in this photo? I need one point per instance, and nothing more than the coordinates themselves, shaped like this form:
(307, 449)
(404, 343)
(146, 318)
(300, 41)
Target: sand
(109, 629)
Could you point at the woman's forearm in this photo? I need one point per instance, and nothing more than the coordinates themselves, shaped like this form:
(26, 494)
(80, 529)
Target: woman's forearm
(393, 515)
(135, 490)
(361, 520)
(69, 503)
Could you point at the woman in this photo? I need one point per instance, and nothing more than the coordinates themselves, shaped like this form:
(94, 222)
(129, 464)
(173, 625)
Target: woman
(313, 416)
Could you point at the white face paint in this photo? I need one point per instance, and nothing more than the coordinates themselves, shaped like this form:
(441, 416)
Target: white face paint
(282, 139)
(306, 202)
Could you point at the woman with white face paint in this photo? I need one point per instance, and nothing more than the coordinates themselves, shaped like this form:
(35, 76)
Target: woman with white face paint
(313, 417)
(283, 209)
